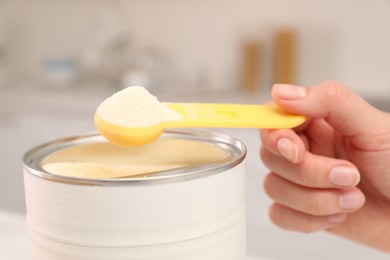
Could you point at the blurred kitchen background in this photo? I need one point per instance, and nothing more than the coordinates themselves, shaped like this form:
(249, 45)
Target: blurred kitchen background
(60, 58)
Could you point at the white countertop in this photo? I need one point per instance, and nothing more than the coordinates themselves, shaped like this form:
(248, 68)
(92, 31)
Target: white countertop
(13, 236)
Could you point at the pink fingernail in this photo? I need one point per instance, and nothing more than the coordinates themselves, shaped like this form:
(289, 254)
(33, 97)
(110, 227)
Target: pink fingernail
(290, 92)
(344, 176)
(351, 200)
(288, 149)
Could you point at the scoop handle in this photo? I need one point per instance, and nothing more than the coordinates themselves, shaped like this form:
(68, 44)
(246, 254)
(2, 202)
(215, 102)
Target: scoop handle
(234, 116)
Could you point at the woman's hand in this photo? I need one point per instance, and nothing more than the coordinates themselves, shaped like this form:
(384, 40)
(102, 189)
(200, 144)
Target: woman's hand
(333, 172)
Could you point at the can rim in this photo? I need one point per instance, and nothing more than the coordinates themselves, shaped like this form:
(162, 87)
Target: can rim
(32, 159)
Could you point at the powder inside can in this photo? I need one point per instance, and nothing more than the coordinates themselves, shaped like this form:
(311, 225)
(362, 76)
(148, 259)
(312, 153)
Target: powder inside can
(135, 107)
(104, 160)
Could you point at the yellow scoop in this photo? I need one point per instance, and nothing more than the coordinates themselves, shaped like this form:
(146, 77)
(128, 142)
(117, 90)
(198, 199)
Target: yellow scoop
(202, 115)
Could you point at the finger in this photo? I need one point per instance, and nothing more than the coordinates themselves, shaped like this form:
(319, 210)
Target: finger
(291, 145)
(340, 107)
(318, 202)
(283, 142)
(313, 171)
(290, 219)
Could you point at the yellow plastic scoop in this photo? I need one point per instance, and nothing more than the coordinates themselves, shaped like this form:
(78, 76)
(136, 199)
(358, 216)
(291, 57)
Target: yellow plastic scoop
(202, 115)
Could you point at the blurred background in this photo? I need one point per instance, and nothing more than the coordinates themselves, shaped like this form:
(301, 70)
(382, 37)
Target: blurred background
(195, 44)
(59, 59)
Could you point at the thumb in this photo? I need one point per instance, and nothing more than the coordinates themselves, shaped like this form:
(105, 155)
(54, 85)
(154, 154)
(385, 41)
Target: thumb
(346, 111)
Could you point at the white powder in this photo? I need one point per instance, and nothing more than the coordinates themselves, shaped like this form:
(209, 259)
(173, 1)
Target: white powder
(106, 160)
(135, 107)
(104, 171)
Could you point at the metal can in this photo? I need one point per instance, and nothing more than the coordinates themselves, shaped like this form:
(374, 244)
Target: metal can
(192, 210)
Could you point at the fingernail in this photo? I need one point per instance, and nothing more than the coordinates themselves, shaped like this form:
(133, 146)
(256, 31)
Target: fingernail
(336, 218)
(288, 149)
(351, 200)
(344, 176)
(290, 92)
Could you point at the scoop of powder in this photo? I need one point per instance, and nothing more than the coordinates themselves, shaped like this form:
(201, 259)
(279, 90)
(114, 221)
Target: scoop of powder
(135, 107)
